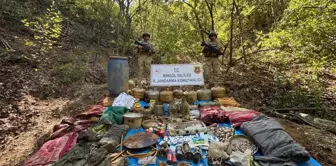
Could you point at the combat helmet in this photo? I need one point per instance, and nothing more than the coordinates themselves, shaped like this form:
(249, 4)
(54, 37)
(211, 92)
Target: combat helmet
(145, 34)
(212, 33)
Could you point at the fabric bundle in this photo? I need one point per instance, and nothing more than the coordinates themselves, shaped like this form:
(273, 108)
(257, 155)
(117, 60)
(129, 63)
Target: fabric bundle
(52, 150)
(226, 101)
(278, 146)
(114, 114)
(238, 117)
(212, 114)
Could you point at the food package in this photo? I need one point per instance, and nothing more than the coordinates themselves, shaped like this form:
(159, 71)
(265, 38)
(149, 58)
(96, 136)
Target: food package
(107, 101)
(226, 101)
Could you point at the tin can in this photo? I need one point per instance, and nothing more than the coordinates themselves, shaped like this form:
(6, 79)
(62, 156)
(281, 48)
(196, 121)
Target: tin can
(169, 157)
(174, 158)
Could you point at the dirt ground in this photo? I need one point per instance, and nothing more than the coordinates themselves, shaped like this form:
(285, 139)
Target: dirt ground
(18, 148)
(47, 113)
(321, 144)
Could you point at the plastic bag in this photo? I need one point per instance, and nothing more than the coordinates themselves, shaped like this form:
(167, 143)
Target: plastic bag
(114, 114)
(241, 159)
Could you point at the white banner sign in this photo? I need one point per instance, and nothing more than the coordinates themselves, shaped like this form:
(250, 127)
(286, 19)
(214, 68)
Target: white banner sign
(177, 75)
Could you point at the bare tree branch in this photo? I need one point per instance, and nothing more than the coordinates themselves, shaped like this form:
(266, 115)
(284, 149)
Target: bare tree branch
(198, 20)
(210, 7)
(240, 30)
(256, 7)
(231, 36)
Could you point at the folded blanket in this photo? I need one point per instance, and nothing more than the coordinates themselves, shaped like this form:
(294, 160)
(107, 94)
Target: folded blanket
(238, 117)
(278, 147)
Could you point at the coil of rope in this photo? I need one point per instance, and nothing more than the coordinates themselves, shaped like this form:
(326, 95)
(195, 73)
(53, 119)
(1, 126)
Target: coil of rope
(154, 150)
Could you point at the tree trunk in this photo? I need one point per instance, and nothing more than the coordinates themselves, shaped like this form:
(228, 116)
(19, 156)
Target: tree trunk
(124, 6)
(231, 35)
(210, 8)
(118, 25)
(155, 12)
(141, 25)
(241, 32)
(198, 21)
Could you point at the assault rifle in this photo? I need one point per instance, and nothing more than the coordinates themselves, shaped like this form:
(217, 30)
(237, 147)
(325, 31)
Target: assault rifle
(145, 46)
(212, 49)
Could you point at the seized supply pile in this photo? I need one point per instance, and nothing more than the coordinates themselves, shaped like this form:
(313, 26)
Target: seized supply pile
(170, 127)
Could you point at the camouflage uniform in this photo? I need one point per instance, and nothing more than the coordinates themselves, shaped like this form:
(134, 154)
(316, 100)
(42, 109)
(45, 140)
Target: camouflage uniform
(144, 60)
(211, 65)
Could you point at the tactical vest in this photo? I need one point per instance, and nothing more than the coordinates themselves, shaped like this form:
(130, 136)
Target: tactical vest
(209, 52)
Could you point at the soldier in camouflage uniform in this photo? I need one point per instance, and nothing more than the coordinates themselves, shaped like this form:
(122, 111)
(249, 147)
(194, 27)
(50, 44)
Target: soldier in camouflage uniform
(144, 56)
(211, 65)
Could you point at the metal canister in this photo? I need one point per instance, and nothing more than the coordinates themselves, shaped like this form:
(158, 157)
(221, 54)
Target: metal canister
(187, 151)
(204, 94)
(218, 92)
(174, 158)
(166, 96)
(138, 93)
(197, 155)
(170, 157)
(159, 109)
(191, 97)
(153, 94)
(179, 153)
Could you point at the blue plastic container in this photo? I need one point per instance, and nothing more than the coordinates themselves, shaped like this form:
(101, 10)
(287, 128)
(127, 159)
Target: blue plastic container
(118, 75)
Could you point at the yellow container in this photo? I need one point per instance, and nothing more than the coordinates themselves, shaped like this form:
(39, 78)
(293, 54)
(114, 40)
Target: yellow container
(191, 97)
(138, 93)
(218, 92)
(153, 95)
(166, 96)
(204, 94)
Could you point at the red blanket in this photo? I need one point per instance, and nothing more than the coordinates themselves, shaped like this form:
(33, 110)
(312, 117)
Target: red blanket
(52, 150)
(238, 117)
(81, 122)
(212, 114)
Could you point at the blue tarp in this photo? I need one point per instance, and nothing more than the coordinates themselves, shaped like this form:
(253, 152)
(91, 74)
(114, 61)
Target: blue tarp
(134, 161)
(238, 131)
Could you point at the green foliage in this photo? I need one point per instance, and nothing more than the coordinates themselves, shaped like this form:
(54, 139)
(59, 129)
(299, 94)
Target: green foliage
(297, 37)
(304, 42)
(306, 34)
(305, 94)
(170, 60)
(47, 29)
(71, 72)
(91, 20)
(10, 10)
(176, 24)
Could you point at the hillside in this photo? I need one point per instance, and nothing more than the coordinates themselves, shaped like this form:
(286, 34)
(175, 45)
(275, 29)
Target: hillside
(54, 55)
